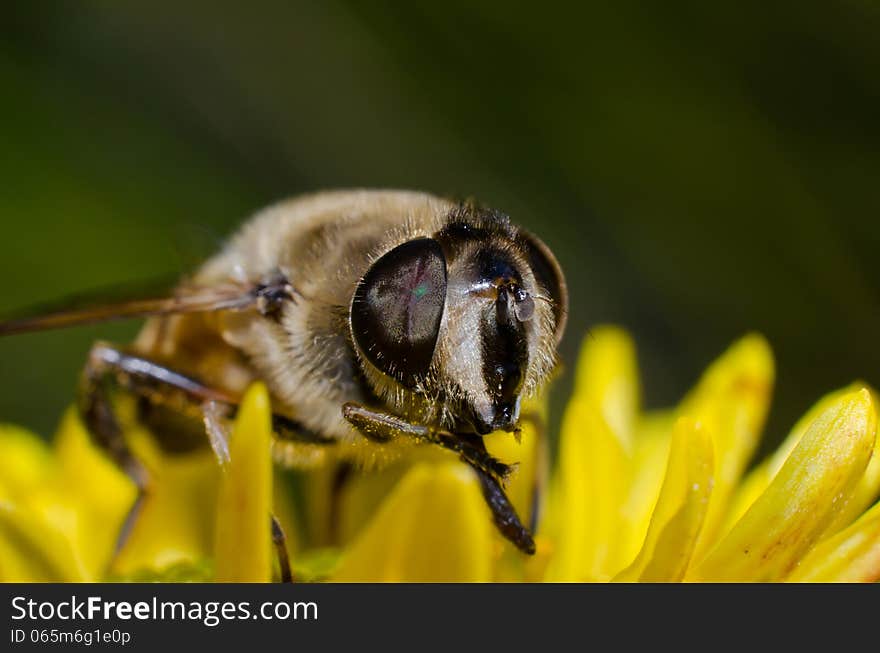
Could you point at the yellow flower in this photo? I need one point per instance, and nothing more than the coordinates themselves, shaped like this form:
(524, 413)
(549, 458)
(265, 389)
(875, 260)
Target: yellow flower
(62, 507)
(633, 496)
(660, 496)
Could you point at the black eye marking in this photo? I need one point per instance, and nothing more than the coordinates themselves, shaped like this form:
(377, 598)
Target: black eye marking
(397, 308)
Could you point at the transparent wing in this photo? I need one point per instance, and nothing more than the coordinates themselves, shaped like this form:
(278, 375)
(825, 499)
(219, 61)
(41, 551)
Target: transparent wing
(121, 303)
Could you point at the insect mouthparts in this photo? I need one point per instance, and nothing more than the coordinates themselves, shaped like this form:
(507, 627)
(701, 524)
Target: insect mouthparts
(513, 298)
(524, 305)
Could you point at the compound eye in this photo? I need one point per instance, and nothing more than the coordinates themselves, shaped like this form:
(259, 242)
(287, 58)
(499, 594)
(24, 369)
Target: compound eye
(397, 308)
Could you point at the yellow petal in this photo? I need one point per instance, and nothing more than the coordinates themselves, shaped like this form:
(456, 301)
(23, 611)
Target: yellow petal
(318, 492)
(648, 467)
(584, 512)
(98, 493)
(25, 462)
(66, 508)
(607, 377)
(434, 527)
(339, 498)
(243, 544)
(592, 469)
(802, 500)
(680, 509)
(868, 487)
(759, 478)
(731, 401)
(175, 526)
(548, 530)
(361, 496)
(850, 556)
(33, 550)
(353, 505)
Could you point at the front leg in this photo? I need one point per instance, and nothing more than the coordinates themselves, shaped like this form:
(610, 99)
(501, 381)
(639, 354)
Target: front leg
(383, 427)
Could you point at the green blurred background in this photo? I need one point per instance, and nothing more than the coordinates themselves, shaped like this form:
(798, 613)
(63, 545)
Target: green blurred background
(701, 169)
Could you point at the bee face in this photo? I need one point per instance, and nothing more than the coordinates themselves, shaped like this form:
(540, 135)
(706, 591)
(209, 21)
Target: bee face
(465, 323)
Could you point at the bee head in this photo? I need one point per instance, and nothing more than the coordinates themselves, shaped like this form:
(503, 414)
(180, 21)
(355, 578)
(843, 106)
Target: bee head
(456, 328)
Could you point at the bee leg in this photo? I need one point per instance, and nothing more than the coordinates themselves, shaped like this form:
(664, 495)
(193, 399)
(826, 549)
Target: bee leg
(96, 410)
(109, 369)
(384, 427)
(162, 385)
(279, 540)
(504, 515)
(215, 419)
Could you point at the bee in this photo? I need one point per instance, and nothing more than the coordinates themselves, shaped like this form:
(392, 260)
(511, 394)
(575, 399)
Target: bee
(378, 320)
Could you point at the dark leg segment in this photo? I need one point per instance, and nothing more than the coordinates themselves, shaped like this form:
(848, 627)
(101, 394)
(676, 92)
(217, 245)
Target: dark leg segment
(383, 427)
(109, 367)
(280, 542)
(154, 382)
(96, 409)
(504, 515)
